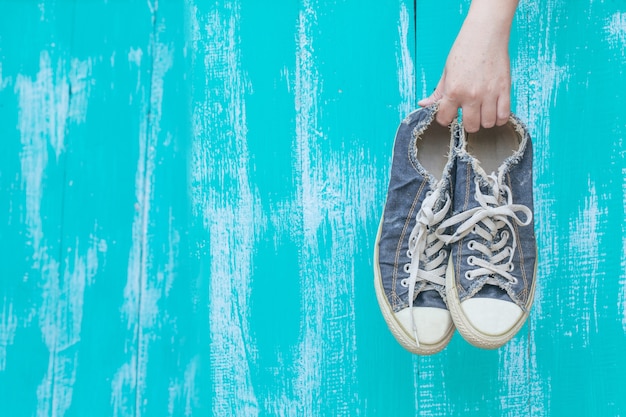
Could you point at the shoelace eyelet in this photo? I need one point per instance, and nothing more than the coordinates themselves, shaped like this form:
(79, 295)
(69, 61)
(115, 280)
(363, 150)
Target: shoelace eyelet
(511, 267)
(407, 268)
(470, 244)
(468, 276)
(470, 260)
(404, 283)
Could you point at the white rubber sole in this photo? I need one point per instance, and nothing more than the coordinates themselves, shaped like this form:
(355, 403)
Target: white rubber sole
(465, 327)
(402, 335)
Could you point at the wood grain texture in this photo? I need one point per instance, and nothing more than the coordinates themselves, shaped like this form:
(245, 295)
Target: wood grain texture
(190, 191)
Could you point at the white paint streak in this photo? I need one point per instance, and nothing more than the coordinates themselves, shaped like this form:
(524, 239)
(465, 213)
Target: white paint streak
(424, 84)
(223, 197)
(80, 84)
(281, 403)
(429, 386)
(134, 56)
(43, 112)
(621, 297)
(539, 391)
(4, 81)
(124, 383)
(616, 30)
(326, 185)
(124, 380)
(45, 109)
(184, 391)
(145, 284)
(8, 326)
(169, 271)
(406, 71)
(514, 376)
(585, 256)
(60, 320)
(308, 383)
(537, 76)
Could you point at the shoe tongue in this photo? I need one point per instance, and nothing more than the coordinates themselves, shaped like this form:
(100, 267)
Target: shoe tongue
(493, 291)
(429, 298)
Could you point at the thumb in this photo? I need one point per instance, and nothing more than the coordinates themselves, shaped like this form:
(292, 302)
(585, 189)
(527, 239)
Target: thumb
(435, 96)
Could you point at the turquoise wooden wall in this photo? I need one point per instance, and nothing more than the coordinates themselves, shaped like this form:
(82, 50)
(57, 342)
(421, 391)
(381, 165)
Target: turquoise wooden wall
(190, 190)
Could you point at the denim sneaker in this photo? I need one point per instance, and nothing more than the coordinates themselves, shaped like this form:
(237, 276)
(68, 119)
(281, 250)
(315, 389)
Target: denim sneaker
(490, 282)
(409, 261)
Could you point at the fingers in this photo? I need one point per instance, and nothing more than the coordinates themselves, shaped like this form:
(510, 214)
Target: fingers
(503, 109)
(471, 117)
(448, 110)
(488, 114)
(430, 99)
(475, 115)
(435, 96)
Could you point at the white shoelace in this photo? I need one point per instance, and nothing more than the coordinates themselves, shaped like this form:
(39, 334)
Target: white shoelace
(487, 221)
(423, 244)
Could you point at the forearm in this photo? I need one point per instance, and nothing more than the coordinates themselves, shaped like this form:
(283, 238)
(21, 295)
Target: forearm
(492, 17)
(477, 76)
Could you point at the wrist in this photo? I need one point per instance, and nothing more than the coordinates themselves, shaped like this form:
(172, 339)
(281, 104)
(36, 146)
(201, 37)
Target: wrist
(492, 17)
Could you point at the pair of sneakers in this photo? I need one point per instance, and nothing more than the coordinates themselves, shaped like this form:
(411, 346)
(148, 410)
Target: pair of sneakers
(456, 244)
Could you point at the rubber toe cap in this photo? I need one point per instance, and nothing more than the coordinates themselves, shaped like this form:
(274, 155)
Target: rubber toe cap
(433, 324)
(491, 316)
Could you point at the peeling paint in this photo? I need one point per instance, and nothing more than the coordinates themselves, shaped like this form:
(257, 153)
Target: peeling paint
(513, 375)
(60, 320)
(585, 255)
(621, 297)
(310, 376)
(406, 71)
(45, 109)
(123, 382)
(212, 356)
(184, 391)
(223, 197)
(616, 30)
(334, 206)
(134, 56)
(43, 113)
(144, 287)
(8, 327)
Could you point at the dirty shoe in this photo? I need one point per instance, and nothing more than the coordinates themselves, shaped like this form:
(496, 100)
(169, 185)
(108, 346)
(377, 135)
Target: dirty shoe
(409, 260)
(490, 282)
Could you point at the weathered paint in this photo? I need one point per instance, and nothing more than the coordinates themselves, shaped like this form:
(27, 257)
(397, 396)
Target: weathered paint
(189, 195)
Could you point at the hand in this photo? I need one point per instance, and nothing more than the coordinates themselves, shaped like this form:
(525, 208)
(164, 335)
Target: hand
(477, 76)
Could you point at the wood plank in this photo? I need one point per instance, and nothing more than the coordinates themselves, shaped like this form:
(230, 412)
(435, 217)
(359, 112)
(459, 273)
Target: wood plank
(577, 333)
(35, 77)
(189, 198)
(96, 370)
(285, 169)
(462, 379)
(173, 363)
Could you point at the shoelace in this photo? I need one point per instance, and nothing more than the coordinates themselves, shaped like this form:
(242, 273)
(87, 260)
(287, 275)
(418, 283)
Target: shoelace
(494, 216)
(424, 244)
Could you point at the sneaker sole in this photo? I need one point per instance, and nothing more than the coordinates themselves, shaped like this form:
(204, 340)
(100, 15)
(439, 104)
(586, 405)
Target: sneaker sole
(401, 335)
(464, 326)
